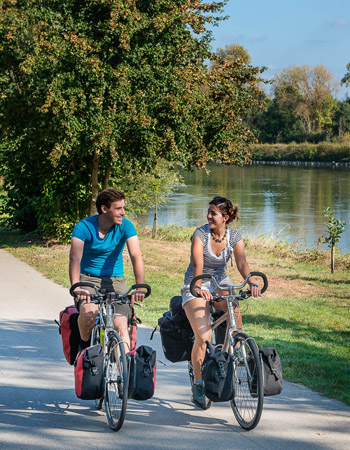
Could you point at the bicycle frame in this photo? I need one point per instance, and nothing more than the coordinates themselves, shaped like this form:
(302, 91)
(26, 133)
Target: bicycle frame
(105, 311)
(229, 316)
(232, 300)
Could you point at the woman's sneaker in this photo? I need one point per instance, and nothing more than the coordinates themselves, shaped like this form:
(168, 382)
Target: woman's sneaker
(198, 397)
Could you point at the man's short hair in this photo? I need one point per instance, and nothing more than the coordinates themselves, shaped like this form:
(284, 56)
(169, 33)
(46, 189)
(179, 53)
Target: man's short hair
(107, 197)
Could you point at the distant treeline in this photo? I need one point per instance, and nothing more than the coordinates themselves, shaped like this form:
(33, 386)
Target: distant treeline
(327, 152)
(302, 108)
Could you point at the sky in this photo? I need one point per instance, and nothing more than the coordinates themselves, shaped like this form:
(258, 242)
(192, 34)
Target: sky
(281, 33)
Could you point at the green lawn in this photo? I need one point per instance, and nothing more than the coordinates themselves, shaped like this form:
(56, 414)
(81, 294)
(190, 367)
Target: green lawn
(304, 314)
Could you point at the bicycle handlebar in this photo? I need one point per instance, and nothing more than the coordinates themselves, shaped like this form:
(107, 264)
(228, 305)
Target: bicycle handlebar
(217, 285)
(104, 294)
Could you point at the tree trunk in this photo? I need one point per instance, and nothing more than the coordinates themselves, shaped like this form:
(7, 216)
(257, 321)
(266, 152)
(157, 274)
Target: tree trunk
(154, 230)
(340, 128)
(106, 178)
(308, 123)
(77, 196)
(94, 184)
(332, 259)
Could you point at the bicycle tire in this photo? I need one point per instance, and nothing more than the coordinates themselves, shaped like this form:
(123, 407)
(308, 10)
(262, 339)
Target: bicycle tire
(248, 400)
(116, 382)
(95, 339)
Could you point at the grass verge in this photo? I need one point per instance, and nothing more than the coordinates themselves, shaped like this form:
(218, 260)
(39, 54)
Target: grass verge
(304, 313)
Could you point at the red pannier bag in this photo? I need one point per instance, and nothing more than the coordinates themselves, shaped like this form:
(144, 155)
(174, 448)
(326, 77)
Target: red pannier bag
(69, 331)
(88, 373)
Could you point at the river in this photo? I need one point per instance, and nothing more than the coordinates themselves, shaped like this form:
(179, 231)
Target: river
(287, 201)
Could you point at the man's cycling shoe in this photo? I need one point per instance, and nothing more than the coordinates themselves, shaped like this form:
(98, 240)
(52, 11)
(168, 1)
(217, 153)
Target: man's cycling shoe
(198, 397)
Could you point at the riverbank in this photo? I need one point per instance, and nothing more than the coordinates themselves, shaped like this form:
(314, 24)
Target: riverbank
(303, 163)
(322, 154)
(304, 313)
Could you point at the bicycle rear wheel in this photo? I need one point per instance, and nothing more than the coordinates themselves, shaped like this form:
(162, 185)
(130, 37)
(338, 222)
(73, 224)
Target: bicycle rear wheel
(248, 399)
(116, 382)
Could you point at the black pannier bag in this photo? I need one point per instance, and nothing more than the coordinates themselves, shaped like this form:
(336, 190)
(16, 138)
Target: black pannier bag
(176, 333)
(217, 374)
(271, 370)
(88, 373)
(142, 379)
(175, 305)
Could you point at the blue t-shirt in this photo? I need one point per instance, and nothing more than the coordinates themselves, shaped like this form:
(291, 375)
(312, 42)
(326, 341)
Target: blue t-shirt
(103, 257)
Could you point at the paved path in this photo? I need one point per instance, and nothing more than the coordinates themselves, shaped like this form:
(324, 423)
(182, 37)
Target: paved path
(39, 410)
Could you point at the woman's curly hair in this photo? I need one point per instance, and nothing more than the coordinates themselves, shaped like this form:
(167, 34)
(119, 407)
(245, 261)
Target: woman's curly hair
(226, 207)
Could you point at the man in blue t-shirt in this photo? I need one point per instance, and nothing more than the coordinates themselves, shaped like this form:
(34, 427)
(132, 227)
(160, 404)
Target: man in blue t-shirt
(96, 255)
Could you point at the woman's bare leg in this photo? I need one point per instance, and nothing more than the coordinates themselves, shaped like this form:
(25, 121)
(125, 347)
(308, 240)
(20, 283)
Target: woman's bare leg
(197, 311)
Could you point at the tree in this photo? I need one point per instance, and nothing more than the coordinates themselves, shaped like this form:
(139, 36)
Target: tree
(234, 52)
(341, 118)
(229, 59)
(346, 79)
(335, 228)
(307, 92)
(88, 86)
(146, 191)
(276, 123)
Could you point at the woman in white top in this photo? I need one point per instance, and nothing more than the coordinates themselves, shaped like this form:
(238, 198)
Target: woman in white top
(211, 249)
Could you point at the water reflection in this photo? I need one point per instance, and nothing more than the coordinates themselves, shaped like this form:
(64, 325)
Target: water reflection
(272, 199)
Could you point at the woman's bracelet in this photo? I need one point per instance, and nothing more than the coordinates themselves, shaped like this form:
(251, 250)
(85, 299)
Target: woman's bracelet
(254, 284)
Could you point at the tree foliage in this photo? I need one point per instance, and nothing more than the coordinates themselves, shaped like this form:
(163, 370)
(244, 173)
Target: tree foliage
(147, 190)
(346, 79)
(277, 123)
(234, 52)
(341, 118)
(90, 87)
(307, 91)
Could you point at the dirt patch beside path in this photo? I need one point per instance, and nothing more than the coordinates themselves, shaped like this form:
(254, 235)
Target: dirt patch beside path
(167, 257)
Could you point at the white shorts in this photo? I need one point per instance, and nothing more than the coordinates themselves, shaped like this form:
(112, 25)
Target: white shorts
(206, 284)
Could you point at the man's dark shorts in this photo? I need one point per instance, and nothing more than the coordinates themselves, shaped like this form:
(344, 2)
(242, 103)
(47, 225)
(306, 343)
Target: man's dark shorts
(111, 284)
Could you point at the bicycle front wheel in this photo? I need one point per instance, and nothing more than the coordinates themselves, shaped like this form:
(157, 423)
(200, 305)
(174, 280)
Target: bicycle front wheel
(116, 382)
(248, 400)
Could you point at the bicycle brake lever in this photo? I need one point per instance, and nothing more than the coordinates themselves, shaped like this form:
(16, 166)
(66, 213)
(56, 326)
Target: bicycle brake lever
(217, 298)
(244, 294)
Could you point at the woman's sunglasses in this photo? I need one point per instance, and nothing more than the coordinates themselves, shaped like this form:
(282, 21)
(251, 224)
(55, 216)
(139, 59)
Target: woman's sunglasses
(220, 199)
